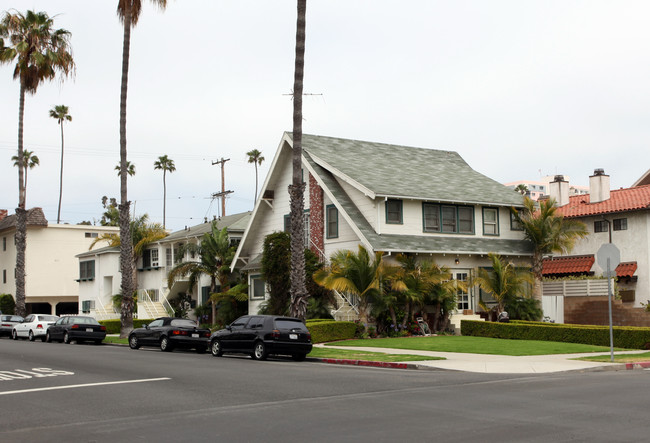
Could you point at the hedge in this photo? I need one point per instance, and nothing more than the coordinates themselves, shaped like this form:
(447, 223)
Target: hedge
(624, 336)
(114, 326)
(323, 331)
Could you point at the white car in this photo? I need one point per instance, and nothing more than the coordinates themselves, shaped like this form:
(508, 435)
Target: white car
(34, 325)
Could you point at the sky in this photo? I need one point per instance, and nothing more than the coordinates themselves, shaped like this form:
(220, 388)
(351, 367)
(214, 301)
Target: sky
(520, 89)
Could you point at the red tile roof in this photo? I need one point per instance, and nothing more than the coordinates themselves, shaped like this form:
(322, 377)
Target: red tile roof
(575, 264)
(620, 200)
(626, 269)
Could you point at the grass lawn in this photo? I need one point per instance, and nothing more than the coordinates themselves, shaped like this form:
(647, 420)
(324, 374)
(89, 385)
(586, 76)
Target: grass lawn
(474, 345)
(111, 339)
(347, 354)
(621, 358)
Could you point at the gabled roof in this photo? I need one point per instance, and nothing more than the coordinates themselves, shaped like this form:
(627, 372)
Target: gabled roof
(573, 264)
(234, 223)
(643, 180)
(35, 217)
(620, 200)
(384, 170)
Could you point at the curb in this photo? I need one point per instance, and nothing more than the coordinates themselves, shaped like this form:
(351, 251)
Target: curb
(638, 365)
(373, 364)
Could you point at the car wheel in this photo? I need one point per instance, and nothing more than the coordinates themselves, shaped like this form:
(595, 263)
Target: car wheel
(48, 337)
(66, 338)
(215, 348)
(31, 336)
(299, 357)
(259, 351)
(165, 345)
(14, 334)
(133, 342)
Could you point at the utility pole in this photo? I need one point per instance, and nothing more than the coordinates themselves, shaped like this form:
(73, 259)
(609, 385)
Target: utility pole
(223, 192)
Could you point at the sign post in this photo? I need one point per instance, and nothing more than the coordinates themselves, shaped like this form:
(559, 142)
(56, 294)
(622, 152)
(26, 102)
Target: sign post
(609, 257)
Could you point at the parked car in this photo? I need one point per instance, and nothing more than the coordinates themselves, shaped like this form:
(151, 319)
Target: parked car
(7, 323)
(263, 335)
(76, 328)
(32, 326)
(169, 333)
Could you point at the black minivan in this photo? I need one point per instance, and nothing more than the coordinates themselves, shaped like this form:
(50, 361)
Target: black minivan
(263, 335)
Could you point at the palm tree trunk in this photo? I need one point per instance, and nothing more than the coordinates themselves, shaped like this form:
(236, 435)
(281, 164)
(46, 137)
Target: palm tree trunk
(298, 291)
(21, 213)
(58, 214)
(537, 273)
(164, 197)
(126, 245)
(255, 201)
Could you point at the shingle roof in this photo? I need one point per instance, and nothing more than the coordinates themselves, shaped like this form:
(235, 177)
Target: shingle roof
(574, 264)
(35, 217)
(104, 250)
(407, 172)
(626, 269)
(620, 200)
(234, 223)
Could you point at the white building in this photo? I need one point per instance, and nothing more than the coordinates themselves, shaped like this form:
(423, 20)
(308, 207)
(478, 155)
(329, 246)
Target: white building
(389, 198)
(51, 267)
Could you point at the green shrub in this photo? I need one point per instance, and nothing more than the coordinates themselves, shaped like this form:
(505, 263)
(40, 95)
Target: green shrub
(7, 304)
(114, 326)
(624, 336)
(324, 331)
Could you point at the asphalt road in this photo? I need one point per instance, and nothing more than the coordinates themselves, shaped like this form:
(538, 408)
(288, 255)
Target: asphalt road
(57, 392)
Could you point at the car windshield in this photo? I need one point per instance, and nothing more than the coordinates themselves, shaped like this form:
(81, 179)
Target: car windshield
(182, 323)
(83, 321)
(290, 324)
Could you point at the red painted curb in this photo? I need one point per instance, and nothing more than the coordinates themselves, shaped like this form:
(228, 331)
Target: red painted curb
(376, 364)
(641, 364)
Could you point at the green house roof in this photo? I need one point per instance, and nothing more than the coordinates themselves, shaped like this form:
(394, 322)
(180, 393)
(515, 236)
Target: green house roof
(406, 172)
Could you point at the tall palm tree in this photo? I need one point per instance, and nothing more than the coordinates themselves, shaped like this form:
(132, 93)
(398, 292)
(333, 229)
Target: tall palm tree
(61, 114)
(41, 53)
(130, 169)
(548, 232)
(299, 294)
(30, 161)
(504, 281)
(167, 165)
(215, 256)
(356, 274)
(255, 157)
(128, 12)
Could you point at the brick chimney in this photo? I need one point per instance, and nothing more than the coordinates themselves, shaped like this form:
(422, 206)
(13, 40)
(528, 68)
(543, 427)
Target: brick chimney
(559, 190)
(598, 186)
(3, 214)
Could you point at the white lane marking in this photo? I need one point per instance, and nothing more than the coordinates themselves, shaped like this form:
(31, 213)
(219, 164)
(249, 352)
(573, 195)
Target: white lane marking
(53, 388)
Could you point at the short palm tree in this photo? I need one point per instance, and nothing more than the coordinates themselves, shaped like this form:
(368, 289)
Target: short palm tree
(255, 157)
(130, 169)
(215, 255)
(165, 164)
(355, 274)
(30, 161)
(41, 53)
(548, 232)
(504, 281)
(61, 114)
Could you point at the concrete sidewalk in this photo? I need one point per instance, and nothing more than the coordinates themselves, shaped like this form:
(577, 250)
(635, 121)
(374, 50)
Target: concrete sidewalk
(501, 364)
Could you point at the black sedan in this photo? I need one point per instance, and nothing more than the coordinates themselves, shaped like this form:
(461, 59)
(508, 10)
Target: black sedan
(169, 333)
(76, 328)
(263, 335)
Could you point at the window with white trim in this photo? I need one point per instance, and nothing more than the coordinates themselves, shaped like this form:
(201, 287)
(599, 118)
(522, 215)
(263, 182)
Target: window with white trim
(331, 221)
(490, 221)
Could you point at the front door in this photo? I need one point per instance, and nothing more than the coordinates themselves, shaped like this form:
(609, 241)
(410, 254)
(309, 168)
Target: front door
(462, 294)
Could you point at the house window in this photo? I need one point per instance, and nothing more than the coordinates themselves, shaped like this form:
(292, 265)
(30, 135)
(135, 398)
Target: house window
(87, 305)
(168, 256)
(87, 270)
(91, 235)
(150, 258)
(394, 212)
(448, 218)
(490, 221)
(4, 276)
(234, 242)
(430, 217)
(514, 224)
(332, 221)
(620, 224)
(257, 287)
(462, 296)
(600, 226)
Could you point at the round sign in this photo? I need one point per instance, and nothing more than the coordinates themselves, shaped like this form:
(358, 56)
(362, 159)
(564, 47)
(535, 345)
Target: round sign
(610, 252)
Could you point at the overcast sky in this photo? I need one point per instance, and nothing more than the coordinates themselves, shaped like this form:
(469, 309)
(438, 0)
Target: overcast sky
(519, 89)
